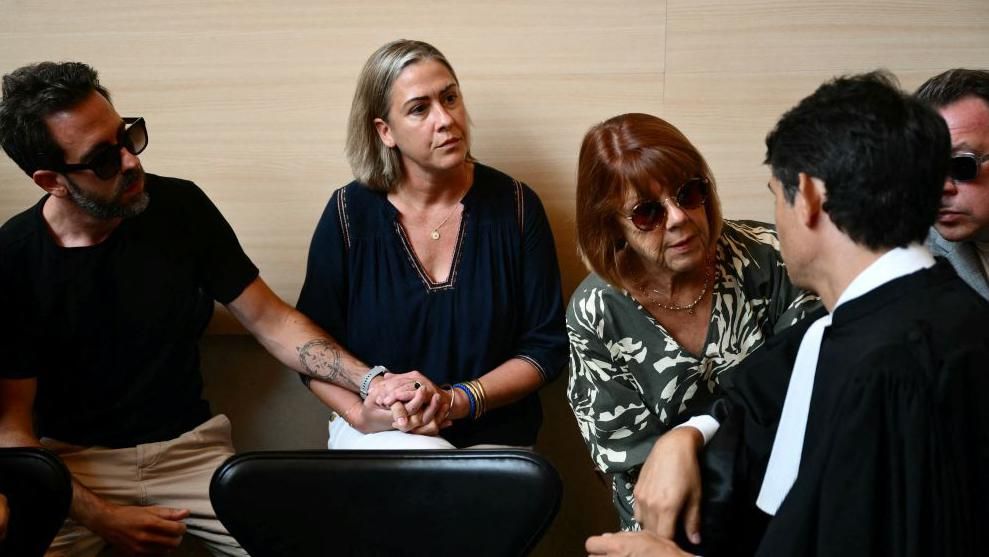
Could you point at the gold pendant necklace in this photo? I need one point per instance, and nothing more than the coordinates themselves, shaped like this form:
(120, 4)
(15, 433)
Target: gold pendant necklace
(435, 232)
(689, 308)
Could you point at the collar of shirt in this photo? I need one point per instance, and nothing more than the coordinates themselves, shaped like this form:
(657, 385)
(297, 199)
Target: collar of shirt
(892, 265)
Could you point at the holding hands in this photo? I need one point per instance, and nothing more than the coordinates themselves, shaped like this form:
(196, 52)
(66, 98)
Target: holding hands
(415, 403)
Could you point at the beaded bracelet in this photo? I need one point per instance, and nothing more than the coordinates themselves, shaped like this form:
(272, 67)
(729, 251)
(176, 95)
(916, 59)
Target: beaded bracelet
(470, 397)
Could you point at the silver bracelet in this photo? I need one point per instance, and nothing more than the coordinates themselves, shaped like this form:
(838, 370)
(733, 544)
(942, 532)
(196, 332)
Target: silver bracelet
(369, 376)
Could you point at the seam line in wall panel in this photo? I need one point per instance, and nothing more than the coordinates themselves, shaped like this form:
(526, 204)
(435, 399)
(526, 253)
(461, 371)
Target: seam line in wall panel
(666, 51)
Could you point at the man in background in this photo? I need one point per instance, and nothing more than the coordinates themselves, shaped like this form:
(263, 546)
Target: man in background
(961, 232)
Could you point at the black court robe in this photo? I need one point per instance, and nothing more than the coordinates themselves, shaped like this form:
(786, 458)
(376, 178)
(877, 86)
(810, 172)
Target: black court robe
(896, 452)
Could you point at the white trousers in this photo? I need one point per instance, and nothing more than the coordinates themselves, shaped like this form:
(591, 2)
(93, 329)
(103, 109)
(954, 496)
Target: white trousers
(345, 437)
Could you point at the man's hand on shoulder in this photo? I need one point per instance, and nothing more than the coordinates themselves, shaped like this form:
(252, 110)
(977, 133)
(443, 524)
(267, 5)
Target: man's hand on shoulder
(140, 530)
(669, 485)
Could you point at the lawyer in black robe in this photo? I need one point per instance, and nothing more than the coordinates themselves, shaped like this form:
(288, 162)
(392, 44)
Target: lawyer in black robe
(897, 418)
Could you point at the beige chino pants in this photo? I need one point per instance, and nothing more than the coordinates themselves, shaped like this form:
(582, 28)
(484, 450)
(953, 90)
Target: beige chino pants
(173, 473)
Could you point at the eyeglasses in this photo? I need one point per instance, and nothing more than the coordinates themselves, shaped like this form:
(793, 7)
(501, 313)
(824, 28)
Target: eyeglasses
(647, 215)
(106, 162)
(965, 166)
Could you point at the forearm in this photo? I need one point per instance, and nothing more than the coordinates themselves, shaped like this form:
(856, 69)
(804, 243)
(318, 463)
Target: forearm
(689, 437)
(295, 340)
(85, 505)
(311, 351)
(302, 346)
(505, 384)
(705, 424)
(3, 516)
(338, 399)
(13, 438)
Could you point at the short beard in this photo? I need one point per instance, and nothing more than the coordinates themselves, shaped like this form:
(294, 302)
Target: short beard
(111, 208)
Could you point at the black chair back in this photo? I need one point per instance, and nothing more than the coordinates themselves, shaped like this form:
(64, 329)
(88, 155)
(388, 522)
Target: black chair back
(38, 488)
(368, 503)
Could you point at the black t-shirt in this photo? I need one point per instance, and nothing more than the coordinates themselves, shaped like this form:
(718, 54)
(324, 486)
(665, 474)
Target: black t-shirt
(112, 331)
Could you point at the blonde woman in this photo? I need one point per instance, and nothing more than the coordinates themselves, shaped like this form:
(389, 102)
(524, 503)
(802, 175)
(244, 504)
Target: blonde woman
(429, 260)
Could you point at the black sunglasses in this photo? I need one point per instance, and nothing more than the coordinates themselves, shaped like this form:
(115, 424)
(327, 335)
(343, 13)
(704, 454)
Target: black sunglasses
(647, 215)
(965, 166)
(106, 162)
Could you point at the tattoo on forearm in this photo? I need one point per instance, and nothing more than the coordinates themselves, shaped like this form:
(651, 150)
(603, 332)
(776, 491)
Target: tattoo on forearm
(320, 358)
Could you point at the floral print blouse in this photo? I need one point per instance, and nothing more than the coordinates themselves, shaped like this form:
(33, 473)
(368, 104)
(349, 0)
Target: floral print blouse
(630, 381)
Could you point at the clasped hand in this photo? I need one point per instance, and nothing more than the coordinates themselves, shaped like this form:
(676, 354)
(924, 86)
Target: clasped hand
(417, 405)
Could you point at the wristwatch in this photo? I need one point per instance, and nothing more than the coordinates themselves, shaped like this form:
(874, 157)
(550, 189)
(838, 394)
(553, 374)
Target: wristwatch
(369, 376)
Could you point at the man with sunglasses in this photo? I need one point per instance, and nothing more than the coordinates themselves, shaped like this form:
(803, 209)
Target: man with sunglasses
(860, 430)
(961, 232)
(108, 283)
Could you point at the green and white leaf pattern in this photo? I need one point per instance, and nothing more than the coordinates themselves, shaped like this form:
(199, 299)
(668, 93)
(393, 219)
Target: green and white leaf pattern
(630, 381)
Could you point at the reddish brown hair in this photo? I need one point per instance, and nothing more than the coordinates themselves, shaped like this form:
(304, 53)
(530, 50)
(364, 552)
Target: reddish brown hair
(630, 151)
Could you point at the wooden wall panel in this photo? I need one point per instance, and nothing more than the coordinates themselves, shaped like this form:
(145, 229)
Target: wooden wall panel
(249, 99)
(727, 117)
(758, 36)
(733, 68)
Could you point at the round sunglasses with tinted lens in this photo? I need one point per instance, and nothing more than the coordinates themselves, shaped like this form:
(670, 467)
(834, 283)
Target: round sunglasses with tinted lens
(647, 215)
(965, 166)
(106, 162)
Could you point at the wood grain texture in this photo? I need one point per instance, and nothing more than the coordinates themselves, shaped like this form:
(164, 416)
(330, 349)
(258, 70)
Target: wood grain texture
(759, 36)
(249, 99)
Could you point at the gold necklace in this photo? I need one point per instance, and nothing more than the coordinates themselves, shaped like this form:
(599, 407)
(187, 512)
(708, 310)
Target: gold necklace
(435, 232)
(689, 308)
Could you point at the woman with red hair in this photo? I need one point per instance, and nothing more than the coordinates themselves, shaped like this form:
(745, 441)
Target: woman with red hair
(676, 296)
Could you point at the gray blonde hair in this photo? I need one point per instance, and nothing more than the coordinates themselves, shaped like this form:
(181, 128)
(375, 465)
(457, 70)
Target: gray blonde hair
(372, 162)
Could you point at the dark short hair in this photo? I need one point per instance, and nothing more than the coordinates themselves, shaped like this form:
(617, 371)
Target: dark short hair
(954, 85)
(626, 152)
(882, 154)
(30, 94)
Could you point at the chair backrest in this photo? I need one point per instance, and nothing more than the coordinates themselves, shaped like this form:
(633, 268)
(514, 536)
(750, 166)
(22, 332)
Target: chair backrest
(38, 488)
(367, 503)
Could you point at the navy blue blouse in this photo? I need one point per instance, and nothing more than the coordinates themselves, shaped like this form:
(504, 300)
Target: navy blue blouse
(502, 300)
